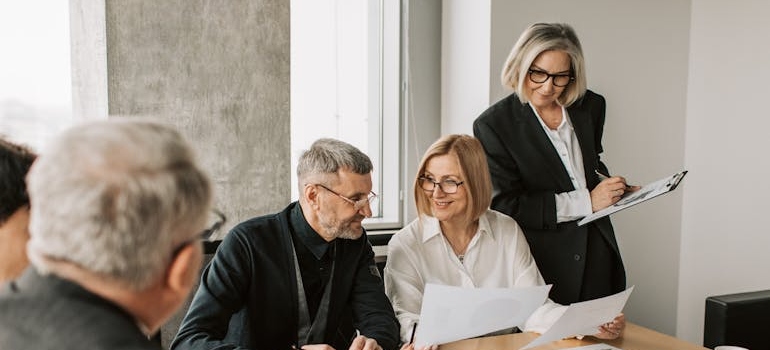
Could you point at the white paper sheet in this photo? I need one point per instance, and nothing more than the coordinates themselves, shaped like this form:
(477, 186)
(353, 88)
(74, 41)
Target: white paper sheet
(584, 318)
(454, 313)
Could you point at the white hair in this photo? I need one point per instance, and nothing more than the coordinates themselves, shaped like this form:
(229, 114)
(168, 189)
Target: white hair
(115, 198)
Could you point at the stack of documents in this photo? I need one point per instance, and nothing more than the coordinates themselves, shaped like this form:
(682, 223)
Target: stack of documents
(454, 313)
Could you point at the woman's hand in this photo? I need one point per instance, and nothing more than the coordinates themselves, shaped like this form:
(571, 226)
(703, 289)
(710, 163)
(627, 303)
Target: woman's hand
(609, 191)
(612, 330)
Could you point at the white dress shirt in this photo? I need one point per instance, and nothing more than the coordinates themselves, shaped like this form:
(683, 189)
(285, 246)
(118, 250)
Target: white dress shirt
(575, 204)
(498, 256)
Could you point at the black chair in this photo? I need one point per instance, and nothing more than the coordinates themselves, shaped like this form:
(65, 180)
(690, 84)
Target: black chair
(741, 319)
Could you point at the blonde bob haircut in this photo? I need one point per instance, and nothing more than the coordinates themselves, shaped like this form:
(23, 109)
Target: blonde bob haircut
(474, 171)
(538, 38)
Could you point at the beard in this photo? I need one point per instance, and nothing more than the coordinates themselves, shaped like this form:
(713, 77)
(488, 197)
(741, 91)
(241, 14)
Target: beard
(342, 229)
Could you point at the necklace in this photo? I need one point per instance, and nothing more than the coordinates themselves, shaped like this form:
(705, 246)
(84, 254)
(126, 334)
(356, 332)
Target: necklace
(459, 251)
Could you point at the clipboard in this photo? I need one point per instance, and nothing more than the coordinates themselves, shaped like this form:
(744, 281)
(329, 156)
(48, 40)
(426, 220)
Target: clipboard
(630, 199)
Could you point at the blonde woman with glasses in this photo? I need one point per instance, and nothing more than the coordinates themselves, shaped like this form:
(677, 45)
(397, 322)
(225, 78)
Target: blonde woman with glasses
(543, 146)
(458, 241)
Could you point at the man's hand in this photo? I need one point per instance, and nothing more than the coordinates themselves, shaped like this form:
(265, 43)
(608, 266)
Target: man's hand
(363, 343)
(317, 347)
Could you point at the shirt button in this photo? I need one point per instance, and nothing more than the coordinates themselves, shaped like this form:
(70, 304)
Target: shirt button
(577, 257)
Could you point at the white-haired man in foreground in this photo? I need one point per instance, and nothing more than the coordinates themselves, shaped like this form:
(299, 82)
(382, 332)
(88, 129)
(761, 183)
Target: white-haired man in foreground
(116, 210)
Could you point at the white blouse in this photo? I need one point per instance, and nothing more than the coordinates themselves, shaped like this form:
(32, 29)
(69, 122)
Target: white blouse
(574, 204)
(498, 256)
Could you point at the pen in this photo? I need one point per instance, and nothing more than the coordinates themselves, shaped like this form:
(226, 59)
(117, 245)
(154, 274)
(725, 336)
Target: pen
(414, 330)
(603, 177)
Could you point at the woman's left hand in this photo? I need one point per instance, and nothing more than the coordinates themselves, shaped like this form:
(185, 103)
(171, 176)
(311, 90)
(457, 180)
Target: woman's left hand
(612, 330)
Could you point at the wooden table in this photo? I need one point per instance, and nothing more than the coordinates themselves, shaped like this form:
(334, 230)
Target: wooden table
(634, 337)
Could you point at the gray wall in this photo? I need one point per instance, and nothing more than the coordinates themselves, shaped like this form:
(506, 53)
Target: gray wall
(218, 71)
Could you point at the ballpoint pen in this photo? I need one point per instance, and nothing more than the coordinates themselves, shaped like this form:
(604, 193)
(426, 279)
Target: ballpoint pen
(603, 177)
(414, 330)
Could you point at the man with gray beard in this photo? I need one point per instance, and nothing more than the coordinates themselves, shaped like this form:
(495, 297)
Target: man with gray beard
(302, 278)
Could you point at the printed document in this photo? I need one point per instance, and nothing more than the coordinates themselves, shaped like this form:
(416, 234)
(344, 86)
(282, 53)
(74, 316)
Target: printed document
(454, 313)
(584, 318)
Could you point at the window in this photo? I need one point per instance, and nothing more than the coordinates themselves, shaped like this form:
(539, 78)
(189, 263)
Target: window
(345, 85)
(35, 84)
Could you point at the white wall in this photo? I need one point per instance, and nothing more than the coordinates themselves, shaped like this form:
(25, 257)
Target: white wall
(636, 56)
(724, 234)
(464, 62)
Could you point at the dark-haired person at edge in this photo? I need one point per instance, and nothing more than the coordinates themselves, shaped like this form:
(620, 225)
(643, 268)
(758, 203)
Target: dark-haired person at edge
(543, 146)
(15, 161)
(303, 278)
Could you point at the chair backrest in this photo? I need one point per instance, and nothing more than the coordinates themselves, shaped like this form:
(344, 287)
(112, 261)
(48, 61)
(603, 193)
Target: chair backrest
(739, 319)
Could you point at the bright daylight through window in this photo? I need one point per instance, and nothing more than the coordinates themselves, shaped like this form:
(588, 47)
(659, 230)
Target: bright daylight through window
(345, 85)
(35, 84)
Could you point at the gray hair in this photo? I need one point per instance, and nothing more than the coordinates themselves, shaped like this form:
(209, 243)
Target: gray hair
(326, 157)
(535, 40)
(116, 198)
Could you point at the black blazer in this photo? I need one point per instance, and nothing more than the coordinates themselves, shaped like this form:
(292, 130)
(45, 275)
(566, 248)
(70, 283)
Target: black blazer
(526, 173)
(247, 298)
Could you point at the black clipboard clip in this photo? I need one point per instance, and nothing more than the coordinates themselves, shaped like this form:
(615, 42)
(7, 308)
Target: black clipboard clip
(676, 180)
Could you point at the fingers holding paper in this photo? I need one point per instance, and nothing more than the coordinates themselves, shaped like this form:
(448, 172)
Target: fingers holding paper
(612, 329)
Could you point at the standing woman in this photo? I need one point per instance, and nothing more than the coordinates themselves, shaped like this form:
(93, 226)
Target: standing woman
(542, 144)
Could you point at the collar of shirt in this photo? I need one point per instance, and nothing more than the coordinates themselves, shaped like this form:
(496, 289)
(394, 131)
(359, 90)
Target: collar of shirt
(567, 146)
(432, 228)
(565, 126)
(307, 235)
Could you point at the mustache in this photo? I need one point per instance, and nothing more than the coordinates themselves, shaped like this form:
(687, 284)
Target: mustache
(358, 217)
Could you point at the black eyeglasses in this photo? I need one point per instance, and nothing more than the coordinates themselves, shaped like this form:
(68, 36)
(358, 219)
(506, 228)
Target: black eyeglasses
(560, 80)
(446, 186)
(357, 204)
(221, 219)
(205, 234)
